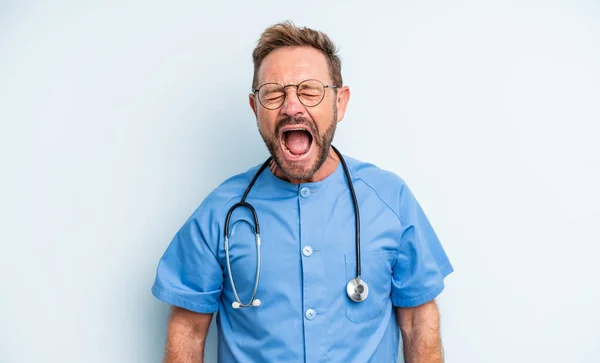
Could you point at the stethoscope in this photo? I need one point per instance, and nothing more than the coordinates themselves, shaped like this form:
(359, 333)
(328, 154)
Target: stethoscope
(356, 288)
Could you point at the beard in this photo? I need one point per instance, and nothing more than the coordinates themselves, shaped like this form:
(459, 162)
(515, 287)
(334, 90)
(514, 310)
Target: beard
(321, 140)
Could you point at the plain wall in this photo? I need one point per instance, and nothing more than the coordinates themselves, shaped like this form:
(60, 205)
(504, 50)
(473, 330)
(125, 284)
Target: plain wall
(118, 118)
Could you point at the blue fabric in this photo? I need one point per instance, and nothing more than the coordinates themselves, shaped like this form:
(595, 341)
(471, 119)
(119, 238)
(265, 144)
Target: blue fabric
(403, 264)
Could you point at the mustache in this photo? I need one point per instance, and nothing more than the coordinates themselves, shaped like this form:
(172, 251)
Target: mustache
(296, 120)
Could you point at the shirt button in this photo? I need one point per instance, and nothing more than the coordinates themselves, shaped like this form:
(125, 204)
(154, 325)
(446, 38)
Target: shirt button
(307, 251)
(305, 192)
(310, 314)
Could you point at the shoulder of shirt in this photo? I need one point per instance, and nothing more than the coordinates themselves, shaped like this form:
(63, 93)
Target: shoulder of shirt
(226, 193)
(385, 184)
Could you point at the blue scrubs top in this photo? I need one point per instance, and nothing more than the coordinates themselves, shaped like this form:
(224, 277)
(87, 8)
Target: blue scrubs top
(308, 256)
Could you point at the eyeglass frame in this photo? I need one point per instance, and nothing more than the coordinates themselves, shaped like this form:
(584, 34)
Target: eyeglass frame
(325, 87)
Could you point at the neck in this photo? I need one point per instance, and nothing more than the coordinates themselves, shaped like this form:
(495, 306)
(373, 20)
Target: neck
(323, 172)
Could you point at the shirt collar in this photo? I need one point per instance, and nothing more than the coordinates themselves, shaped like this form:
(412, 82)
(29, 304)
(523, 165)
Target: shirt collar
(269, 184)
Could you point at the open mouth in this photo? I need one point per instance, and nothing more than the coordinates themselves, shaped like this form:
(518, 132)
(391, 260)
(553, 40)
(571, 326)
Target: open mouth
(296, 141)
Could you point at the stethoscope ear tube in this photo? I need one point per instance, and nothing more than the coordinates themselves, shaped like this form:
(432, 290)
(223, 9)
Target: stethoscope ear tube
(242, 203)
(253, 301)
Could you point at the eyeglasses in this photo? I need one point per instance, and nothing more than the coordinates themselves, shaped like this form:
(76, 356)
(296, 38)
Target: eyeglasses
(310, 93)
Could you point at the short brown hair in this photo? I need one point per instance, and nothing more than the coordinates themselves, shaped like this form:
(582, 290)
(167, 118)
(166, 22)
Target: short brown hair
(286, 34)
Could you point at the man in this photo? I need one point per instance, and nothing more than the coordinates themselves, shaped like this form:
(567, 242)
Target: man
(303, 308)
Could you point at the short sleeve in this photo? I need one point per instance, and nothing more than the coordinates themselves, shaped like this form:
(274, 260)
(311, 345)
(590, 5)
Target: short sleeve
(189, 274)
(421, 264)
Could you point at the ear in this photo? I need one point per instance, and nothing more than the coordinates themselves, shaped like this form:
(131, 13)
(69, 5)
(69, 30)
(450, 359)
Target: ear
(253, 104)
(343, 96)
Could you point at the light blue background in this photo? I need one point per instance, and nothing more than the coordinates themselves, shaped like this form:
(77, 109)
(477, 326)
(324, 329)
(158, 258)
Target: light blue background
(117, 119)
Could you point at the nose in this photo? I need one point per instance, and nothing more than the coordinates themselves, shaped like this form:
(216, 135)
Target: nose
(292, 105)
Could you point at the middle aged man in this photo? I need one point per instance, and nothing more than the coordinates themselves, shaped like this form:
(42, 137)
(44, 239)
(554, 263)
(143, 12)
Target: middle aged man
(312, 303)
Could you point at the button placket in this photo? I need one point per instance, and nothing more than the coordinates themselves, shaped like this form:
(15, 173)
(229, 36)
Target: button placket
(313, 272)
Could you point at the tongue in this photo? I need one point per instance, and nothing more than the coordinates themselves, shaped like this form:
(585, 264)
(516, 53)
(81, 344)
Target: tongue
(297, 142)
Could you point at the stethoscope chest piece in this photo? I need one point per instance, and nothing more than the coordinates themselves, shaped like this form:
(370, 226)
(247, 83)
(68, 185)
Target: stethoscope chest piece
(357, 289)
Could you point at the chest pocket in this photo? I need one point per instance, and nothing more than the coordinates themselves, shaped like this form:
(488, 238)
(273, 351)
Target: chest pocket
(376, 271)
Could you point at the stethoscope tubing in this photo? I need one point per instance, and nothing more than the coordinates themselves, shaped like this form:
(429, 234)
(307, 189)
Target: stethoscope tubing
(242, 203)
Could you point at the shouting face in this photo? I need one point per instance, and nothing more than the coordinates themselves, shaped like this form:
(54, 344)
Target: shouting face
(297, 109)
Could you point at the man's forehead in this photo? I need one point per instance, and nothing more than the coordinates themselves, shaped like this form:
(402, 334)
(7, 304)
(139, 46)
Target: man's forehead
(294, 64)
